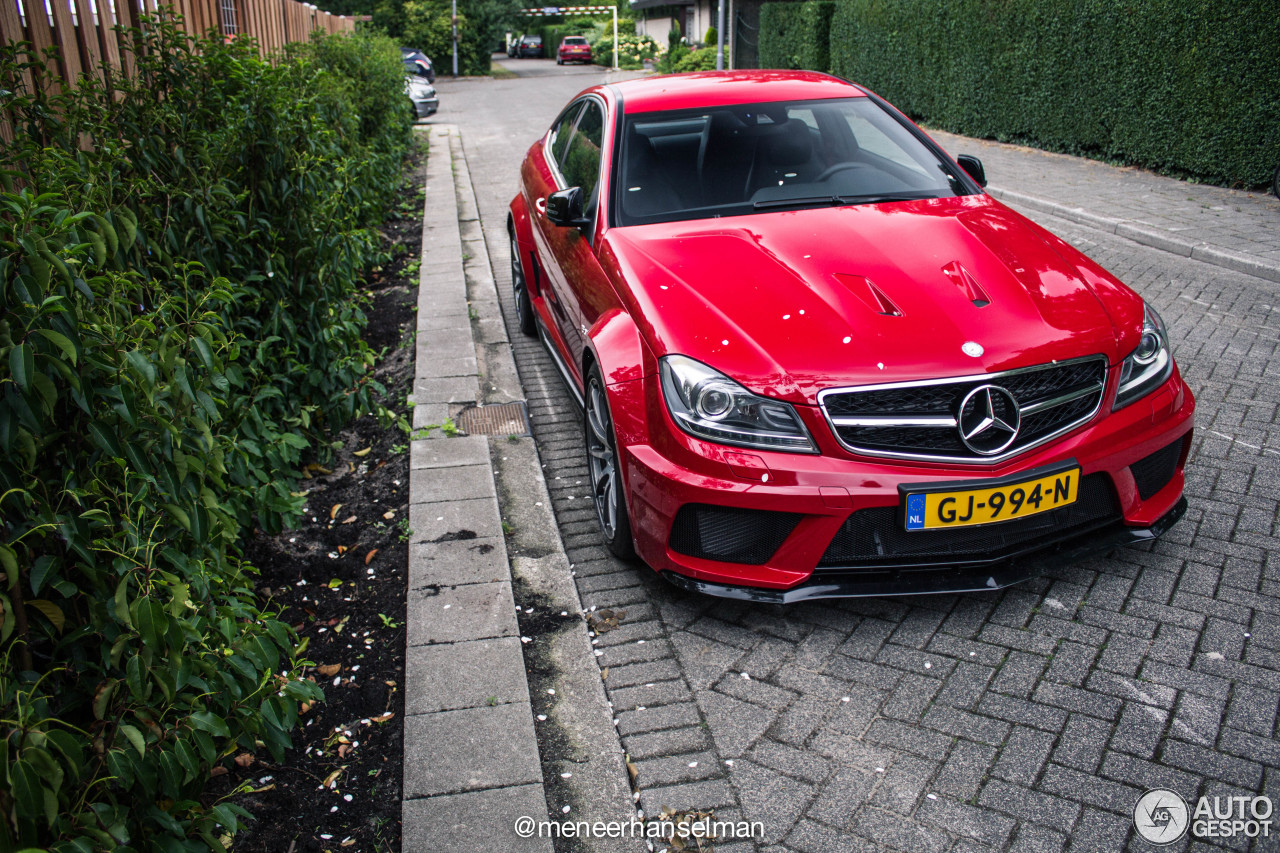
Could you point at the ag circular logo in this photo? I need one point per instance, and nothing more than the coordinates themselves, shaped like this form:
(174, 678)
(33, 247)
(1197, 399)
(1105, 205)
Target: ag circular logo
(989, 418)
(1161, 816)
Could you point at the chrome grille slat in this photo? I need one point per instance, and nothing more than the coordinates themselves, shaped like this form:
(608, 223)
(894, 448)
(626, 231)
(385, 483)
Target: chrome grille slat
(918, 420)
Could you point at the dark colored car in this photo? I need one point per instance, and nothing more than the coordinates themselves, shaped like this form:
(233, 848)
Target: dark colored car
(817, 359)
(528, 46)
(417, 64)
(573, 49)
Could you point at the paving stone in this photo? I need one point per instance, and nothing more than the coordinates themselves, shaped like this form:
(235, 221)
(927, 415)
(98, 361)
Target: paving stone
(1082, 743)
(793, 762)
(735, 725)
(1037, 839)
(700, 796)
(460, 561)
(667, 742)
(432, 521)
(960, 819)
(1023, 755)
(959, 723)
(903, 783)
(965, 769)
(1029, 805)
(443, 485)
(673, 769)
(1088, 788)
(453, 751)
(453, 614)
(840, 798)
(890, 829)
(769, 797)
(464, 675)
(477, 820)
(656, 719)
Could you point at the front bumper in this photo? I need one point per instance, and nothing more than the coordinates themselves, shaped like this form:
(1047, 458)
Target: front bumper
(824, 497)
(425, 106)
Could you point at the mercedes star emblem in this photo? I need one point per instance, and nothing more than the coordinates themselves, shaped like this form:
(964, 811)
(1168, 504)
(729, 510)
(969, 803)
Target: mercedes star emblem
(972, 348)
(989, 419)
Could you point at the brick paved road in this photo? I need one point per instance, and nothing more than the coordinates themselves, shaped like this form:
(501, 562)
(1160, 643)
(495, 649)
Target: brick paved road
(1026, 720)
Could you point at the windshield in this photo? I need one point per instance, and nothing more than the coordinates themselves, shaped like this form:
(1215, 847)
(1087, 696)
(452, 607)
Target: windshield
(733, 160)
(580, 40)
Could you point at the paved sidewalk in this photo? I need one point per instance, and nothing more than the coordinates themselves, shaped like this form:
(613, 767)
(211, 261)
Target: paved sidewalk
(1228, 228)
(473, 764)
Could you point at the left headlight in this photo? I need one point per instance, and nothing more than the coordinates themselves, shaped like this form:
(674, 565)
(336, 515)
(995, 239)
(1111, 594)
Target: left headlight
(1147, 367)
(709, 405)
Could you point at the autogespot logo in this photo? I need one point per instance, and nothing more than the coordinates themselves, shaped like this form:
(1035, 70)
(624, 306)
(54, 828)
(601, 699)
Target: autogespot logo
(1161, 816)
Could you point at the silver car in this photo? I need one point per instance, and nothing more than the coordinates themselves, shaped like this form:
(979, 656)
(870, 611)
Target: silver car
(422, 95)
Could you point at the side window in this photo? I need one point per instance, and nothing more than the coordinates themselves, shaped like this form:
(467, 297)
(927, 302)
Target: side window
(561, 131)
(581, 163)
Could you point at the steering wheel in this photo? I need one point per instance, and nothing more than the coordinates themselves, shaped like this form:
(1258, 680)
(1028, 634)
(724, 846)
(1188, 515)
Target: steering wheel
(833, 169)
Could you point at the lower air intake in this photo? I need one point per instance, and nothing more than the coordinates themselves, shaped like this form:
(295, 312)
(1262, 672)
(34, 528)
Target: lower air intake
(1152, 473)
(748, 536)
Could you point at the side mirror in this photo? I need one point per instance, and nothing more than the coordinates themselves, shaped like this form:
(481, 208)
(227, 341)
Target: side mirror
(564, 208)
(973, 166)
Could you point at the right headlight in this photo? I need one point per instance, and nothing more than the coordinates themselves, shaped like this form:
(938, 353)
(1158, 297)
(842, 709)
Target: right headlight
(1148, 366)
(709, 405)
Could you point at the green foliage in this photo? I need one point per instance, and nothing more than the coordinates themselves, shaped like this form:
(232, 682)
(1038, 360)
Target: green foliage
(1187, 86)
(426, 25)
(633, 50)
(179, 323)
(796, 35)
(682, 59)
(712, 37)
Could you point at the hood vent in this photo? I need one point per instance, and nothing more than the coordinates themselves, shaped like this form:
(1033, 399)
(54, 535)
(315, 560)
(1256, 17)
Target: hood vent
(964, 280)
(872, 296)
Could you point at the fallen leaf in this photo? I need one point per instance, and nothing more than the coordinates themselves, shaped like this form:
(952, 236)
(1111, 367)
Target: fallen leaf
(633, 771)
(305, 707)
(334, 583)
(383, 718)
(329, 669)
(270, 787)
(364, 452)
(369, 556)
(244, 759)
(342, 549)
(348, 842)
(332, 777)
(389, 683)
(219, 770)
(343, 749)
(337, 629)
(604, 673)
(348, 520)
(334, 511)
(389, 514)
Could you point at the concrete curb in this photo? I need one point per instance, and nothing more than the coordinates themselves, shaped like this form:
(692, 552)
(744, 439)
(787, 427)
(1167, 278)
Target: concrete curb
(1144, 235)
(471, 762)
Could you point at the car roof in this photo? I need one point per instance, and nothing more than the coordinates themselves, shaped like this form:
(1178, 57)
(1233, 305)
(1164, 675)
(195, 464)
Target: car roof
(726, 88)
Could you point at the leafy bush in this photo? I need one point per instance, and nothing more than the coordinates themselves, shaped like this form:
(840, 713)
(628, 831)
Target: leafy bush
(796, 35)
(633, 50)
(1188, 87)
(682, 59)
(179, 322)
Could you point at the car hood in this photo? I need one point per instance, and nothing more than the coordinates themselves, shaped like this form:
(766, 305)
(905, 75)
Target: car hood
(789, 303)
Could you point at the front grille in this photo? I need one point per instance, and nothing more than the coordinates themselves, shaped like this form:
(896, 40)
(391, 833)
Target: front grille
(748, 536)
(1053, 399)
(1152, 473)
(875, 537)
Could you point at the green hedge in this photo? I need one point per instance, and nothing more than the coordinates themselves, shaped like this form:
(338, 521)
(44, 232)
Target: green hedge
(179, 323)
(1186, 86)
(796, 35)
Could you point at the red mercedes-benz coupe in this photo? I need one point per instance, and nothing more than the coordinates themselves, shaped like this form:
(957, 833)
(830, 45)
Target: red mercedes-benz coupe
(816, 359)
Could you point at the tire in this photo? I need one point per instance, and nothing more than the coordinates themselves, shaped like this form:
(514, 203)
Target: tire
(524, 304)
(559, 61)
(602, 466)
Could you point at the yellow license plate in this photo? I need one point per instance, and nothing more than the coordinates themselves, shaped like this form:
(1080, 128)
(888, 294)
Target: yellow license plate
(967, 507)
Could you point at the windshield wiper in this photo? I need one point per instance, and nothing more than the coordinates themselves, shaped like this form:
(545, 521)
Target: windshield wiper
(880, 198)
(813, 201)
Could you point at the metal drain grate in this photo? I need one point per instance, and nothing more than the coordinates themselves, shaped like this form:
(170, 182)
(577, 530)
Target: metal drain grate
(504, 419)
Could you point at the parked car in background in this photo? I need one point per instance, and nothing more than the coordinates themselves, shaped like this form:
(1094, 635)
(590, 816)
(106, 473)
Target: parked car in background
(816, 359)
(530, 45)
(417, 64)
(573, 49)
(422, 95)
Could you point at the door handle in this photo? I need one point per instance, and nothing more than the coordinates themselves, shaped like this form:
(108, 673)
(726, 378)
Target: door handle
(541, 205)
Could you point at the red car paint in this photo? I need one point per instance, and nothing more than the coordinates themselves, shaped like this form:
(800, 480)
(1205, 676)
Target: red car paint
(791, 302)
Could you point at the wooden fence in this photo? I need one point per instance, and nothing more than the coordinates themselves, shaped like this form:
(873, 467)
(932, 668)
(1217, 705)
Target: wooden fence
(82, 31)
